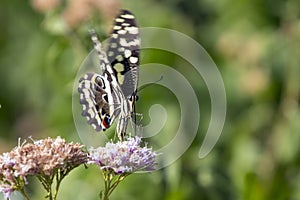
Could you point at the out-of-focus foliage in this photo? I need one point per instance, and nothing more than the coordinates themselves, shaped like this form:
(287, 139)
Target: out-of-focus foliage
(255, 45)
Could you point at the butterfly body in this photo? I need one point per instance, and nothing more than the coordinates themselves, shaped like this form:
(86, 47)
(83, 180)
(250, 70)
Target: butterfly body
(112, 94)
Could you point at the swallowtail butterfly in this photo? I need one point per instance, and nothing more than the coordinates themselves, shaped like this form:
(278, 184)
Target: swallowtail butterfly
(112, 94)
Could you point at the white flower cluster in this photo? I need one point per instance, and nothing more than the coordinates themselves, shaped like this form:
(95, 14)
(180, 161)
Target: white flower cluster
(124, 156)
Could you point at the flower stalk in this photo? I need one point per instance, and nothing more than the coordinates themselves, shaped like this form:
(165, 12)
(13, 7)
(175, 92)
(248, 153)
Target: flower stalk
(111, 181)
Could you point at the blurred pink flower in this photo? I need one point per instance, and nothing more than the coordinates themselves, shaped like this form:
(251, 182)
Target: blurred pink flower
(39, 158)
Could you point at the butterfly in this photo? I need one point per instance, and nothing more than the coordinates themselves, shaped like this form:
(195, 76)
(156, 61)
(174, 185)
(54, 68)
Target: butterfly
(113, 94)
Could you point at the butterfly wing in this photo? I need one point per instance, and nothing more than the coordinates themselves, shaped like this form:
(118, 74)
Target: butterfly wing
(95, 99)
(124, 51)
(106, 96)
(98, 94)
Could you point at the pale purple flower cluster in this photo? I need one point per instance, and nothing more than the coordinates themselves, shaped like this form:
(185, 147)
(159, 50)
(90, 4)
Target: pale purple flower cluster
(39, 158)
(124, 156)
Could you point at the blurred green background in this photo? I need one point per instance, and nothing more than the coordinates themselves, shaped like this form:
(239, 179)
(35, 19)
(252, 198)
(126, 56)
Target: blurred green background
(254, 43)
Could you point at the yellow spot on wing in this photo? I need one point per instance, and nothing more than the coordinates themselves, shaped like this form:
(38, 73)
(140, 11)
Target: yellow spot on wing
(120, 78)
(119, 58)
(119, 67)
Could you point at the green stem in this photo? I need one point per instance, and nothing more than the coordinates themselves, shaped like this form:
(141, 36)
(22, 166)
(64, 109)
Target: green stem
(116, 183)
(59, 178)
(43, 181)
(110, 184)
(107, 188)
(24, 194)
(47, 183)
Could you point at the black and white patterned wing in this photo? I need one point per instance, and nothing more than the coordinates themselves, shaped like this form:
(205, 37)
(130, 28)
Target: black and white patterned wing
(98, 93)
(123, 52)
(113, 93)
(95, 100)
